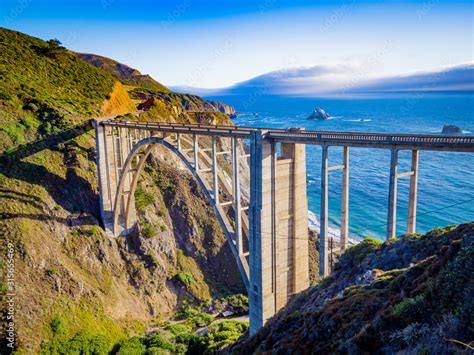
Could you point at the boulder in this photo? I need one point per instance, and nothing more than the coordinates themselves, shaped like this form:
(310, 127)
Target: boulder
(318, 114)
(450, 128)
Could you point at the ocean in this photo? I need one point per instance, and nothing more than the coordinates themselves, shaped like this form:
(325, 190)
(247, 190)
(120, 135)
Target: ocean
(446, 179)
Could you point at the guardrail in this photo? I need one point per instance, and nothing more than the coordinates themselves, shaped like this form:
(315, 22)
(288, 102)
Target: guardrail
(358, 139)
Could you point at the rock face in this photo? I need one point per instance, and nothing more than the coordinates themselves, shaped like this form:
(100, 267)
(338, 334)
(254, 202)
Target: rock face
(186, 101)
(318, 114)
(450, 128)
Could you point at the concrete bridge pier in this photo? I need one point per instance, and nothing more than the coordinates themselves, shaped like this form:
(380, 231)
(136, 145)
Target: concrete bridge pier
(344, 229)
(392, 195)
(278, 227)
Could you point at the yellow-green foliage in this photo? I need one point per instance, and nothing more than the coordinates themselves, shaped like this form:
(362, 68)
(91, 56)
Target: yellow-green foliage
(119, 102)
(143, 198)
(355, 254)
(78, 328)
(30, 70)
(186, 278)
(188, 265)
(148, 230)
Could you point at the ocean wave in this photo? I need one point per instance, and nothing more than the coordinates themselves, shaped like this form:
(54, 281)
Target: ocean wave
(334, 232)
(360, 120)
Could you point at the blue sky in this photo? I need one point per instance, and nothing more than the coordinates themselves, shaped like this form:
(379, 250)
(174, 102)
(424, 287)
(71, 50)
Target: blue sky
(218, 43)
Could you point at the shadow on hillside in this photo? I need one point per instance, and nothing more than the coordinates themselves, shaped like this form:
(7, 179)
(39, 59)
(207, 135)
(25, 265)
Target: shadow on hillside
(72, 192)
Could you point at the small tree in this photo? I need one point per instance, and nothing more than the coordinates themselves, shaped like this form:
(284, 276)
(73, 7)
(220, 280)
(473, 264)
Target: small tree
(54, 48)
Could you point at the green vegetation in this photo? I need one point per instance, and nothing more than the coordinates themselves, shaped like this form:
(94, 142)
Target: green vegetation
(81, 343)
(143, 198)
(193, 315)
(355, 254)
(148, 230)
(58, 326)
(124, 73)
(181, 339)
(49, 183)
(165, 185)
(410, 307)
(409, 295)
(186, 278)
(41, 81)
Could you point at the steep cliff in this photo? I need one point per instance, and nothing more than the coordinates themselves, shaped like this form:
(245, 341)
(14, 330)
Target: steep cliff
(187, 101)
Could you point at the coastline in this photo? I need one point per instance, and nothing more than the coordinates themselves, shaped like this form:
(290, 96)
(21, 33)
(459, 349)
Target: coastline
(333, 231)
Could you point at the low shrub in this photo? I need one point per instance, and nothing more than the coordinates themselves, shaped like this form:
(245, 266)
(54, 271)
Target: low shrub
(143, 198)
(58, 325)
(186, 278)
(148, 231)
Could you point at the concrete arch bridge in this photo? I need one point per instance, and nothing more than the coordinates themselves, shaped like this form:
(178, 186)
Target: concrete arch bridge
(265, 220)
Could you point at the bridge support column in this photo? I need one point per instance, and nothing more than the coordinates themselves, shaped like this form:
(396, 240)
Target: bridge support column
(236, 190)
(323, 230)
(411, 226)
(215, 182)
(102, 169)
(345, 200)
(196, 152)
(392, 196)
(278, 222)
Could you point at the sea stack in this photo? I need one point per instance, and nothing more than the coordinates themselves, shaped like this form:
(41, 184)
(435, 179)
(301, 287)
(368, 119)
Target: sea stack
(450, 129)
(318, 114)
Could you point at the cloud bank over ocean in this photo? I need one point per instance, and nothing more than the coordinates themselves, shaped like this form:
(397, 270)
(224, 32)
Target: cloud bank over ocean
(343, 79)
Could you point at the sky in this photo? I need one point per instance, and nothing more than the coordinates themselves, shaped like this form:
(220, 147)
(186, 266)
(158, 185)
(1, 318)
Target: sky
(212, 44)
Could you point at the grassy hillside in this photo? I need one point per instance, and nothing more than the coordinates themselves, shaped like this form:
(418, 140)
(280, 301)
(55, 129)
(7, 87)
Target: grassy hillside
(44, 88)
(123, 72)
(75, 282)
(414, 295)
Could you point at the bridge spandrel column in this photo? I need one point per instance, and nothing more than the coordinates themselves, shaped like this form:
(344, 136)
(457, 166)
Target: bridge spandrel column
(104, 200)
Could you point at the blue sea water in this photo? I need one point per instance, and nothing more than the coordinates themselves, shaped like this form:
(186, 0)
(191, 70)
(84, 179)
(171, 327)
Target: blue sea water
(446, 179)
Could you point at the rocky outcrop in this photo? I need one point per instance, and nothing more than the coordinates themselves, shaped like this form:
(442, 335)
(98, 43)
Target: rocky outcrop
(222, 107)
(186, 101)
(319, 114)
(451, 129)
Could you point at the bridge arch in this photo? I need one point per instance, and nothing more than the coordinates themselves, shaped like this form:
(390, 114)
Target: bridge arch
(124, 210)
(274, 263)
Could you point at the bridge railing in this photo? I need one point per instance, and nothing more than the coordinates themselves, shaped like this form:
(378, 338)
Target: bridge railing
(382, 140)
(423, 141)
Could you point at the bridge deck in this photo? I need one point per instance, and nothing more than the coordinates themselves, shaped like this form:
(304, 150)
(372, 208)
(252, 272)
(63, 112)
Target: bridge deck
(350, 139)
